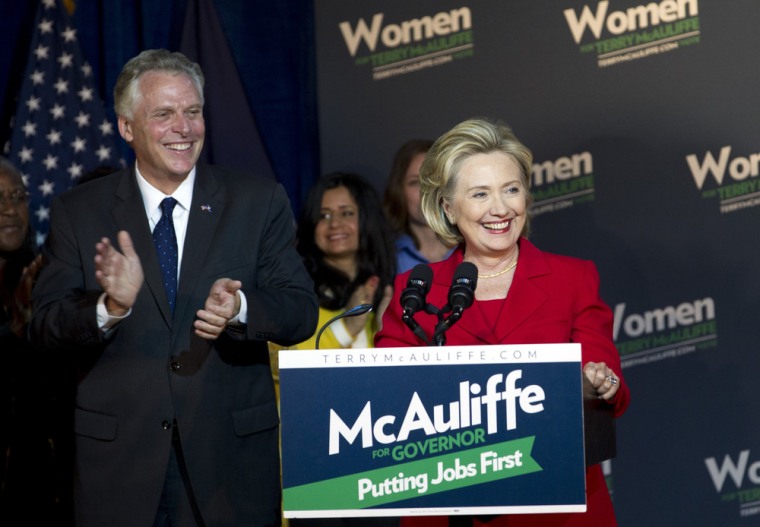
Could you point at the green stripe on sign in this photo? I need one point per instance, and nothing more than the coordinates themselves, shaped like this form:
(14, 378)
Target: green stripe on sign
(416, 478)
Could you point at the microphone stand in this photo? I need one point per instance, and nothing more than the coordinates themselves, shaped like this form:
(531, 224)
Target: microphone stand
(353, 312)
(408, 318)
(439, 334)
(444, 323)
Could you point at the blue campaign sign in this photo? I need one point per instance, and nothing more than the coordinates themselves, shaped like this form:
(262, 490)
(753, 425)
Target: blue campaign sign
(440, 430)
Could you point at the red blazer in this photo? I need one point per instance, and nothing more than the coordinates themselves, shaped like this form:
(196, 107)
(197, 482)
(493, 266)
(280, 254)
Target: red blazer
(552, 299)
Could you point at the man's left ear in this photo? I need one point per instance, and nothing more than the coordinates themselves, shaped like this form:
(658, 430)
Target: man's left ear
(125, 129)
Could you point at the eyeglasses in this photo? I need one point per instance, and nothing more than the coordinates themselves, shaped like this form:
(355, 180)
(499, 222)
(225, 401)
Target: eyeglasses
(14, 197)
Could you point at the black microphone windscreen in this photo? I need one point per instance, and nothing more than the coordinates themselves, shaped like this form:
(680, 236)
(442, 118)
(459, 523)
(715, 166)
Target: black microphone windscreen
(467, 271)
(417, 287)
(421, 275)
(462, 292)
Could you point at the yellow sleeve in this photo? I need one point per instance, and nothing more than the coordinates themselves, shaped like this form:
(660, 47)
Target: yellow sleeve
(328, 340)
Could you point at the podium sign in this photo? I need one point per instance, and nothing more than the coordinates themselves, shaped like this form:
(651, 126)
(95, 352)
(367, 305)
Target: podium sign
(432, 431)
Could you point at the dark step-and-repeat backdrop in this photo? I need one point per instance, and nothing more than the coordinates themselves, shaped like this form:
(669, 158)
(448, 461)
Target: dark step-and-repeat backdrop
(644, 120)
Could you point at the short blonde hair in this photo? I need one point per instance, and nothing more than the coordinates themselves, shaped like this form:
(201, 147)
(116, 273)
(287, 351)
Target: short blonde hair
(439, 171)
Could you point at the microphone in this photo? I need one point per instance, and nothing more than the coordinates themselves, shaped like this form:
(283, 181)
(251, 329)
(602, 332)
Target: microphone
(417, 288)
(461, 296)
(413, 298)
(353, 312)
(462, 292)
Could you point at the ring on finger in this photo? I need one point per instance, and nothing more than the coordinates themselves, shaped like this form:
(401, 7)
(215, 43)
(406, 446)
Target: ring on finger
(613, 380)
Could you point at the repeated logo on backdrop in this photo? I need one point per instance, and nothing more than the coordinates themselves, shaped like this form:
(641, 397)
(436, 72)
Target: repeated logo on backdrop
(664, 332)
(562, 183)
(397, 47)
(634, 33)
(645, 164)
(728, 177)
(737, 478)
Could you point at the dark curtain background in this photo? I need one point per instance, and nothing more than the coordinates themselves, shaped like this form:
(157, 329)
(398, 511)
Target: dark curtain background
(272, 44)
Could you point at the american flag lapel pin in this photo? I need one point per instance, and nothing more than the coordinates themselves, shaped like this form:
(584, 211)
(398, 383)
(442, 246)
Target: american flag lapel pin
(206, 208)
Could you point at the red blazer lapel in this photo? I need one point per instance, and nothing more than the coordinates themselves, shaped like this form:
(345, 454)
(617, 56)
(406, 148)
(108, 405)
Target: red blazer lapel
(471, 321)
(525, 294)
(524, 298)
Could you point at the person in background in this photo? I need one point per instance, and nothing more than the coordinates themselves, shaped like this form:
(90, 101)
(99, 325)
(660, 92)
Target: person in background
(347, 247)
(416, 242)
(162, 284)
(475, 193)
(29, 479)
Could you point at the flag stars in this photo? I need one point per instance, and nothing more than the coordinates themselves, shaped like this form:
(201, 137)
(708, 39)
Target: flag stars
(41, 52)
(106, 128)
(66, 60)
(42, 213)
(33, 103)
(54, 137)
(51, 163)
(70, 34)
(46, 26)
(75, 170)
(58, 136)
(29, 129)
(61, 86)
(85, 94)
(79, 144)
(83, 119)
(38, 77)
(26, 154)
(103, 153)
(57, 111)
(46, 188)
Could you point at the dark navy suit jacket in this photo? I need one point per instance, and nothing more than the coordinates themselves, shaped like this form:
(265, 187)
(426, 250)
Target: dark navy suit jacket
(151, 369)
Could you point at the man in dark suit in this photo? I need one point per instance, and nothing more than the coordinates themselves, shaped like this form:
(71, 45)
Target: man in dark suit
(176, 421)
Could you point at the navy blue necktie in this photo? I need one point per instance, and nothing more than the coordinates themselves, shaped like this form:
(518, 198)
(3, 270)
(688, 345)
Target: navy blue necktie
(165, 241)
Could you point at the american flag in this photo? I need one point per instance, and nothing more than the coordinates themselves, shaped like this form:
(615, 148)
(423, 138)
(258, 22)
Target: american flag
(60, 129)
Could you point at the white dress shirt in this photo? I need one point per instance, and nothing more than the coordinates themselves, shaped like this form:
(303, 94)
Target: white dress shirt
(152, 198)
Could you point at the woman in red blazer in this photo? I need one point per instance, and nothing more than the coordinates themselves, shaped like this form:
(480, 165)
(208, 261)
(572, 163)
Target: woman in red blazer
(475, 192)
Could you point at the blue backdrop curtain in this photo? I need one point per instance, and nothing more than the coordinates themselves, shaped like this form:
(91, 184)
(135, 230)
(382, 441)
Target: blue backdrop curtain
(272, 44)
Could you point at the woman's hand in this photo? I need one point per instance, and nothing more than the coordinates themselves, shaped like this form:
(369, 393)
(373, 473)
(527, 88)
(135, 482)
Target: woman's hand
(362, 295)
(605, 381)
(384, 303)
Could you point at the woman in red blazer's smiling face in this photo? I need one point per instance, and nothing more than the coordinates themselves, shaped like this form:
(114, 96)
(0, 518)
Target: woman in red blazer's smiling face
(489, 208)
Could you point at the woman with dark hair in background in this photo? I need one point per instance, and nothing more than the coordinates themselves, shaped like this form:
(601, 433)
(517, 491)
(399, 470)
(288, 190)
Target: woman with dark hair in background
(416, 242)
(347, 247)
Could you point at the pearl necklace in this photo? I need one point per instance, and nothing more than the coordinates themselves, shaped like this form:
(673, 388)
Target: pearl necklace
(505, 270)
